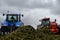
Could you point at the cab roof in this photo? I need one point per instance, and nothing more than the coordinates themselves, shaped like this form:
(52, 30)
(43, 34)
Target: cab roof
(45, 18)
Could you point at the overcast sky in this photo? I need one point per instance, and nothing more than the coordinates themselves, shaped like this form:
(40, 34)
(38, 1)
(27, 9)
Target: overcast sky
(33, 10)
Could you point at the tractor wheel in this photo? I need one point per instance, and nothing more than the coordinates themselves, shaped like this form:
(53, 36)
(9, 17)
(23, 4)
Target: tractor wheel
(4, 30)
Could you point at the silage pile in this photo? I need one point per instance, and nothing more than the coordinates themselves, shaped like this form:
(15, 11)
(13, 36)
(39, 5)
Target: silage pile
(29, 33)
(22, 33)
(46, 34)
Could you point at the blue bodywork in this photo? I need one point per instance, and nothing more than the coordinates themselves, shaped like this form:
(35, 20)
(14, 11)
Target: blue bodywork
(15, 24)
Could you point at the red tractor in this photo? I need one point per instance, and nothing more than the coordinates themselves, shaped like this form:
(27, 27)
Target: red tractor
(53, 26)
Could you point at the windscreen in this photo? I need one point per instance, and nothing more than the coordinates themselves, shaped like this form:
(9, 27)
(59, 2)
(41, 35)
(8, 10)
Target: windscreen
(45, 22)
(12, 18)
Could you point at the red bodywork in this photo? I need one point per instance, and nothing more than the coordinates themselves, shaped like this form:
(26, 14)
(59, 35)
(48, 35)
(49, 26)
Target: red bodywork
(54, 27)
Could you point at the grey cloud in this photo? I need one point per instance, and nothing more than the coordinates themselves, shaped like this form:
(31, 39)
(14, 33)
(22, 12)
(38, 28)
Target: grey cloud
(4, 9)
(30, 3)
(56, 9)
(16, 2)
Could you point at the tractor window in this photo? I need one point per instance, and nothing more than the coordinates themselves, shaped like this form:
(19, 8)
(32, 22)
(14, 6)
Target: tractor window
(45, 22)
(9, 17)
(15, 17)
(12, 18)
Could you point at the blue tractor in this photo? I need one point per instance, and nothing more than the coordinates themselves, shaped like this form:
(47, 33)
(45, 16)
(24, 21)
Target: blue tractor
(12, 22)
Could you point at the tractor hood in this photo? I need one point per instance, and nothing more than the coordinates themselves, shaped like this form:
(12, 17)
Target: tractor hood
(15, 24)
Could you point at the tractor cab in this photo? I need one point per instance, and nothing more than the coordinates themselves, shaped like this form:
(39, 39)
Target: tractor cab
(45, 21)
(12, 22)
(13, 18)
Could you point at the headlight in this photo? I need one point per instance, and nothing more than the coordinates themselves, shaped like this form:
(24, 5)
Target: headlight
(17, 25)
(4, 24)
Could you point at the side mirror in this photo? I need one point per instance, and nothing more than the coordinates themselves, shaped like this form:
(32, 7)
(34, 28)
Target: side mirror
(55, 20)
(3, 14)
(22, 15)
